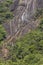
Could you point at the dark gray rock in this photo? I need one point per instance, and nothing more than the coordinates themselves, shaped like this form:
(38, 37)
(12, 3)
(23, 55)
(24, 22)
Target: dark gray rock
(14, 5)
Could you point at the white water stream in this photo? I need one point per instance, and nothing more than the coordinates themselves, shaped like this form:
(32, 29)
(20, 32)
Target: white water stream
(29, 11)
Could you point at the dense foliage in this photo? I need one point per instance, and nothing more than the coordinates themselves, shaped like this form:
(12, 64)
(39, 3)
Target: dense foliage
(5, 11)
(2, 33)
(5, 14)
(27, 50)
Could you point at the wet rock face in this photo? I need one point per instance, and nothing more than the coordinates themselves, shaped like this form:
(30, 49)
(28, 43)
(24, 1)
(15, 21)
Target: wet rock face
(23, 15)
(28, 11)
(40, 3)
(32, 6)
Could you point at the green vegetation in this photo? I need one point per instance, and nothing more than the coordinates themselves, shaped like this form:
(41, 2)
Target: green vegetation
(41, 25)
(39, 12)
(5, 14)
(2, 33)
(5, 11)
(27, 50)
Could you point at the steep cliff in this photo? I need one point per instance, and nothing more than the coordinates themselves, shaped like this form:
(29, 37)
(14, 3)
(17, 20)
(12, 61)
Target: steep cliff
(32, 7)
(23, 15)
(25, 19)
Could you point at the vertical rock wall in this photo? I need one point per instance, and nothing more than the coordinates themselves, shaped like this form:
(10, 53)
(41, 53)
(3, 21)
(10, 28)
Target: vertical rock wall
(32, 6)
(22, 14)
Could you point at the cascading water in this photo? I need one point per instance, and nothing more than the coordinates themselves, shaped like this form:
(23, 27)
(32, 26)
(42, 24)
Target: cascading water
(26, 14)
(29, 11)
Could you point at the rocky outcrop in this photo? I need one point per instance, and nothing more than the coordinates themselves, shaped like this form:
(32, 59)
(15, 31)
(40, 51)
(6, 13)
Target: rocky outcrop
(32, 6)
(23, 15)
(39, 3)
(14, 5)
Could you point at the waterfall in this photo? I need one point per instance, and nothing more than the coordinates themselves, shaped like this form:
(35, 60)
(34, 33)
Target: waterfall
(28, 11)
(23, 15)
